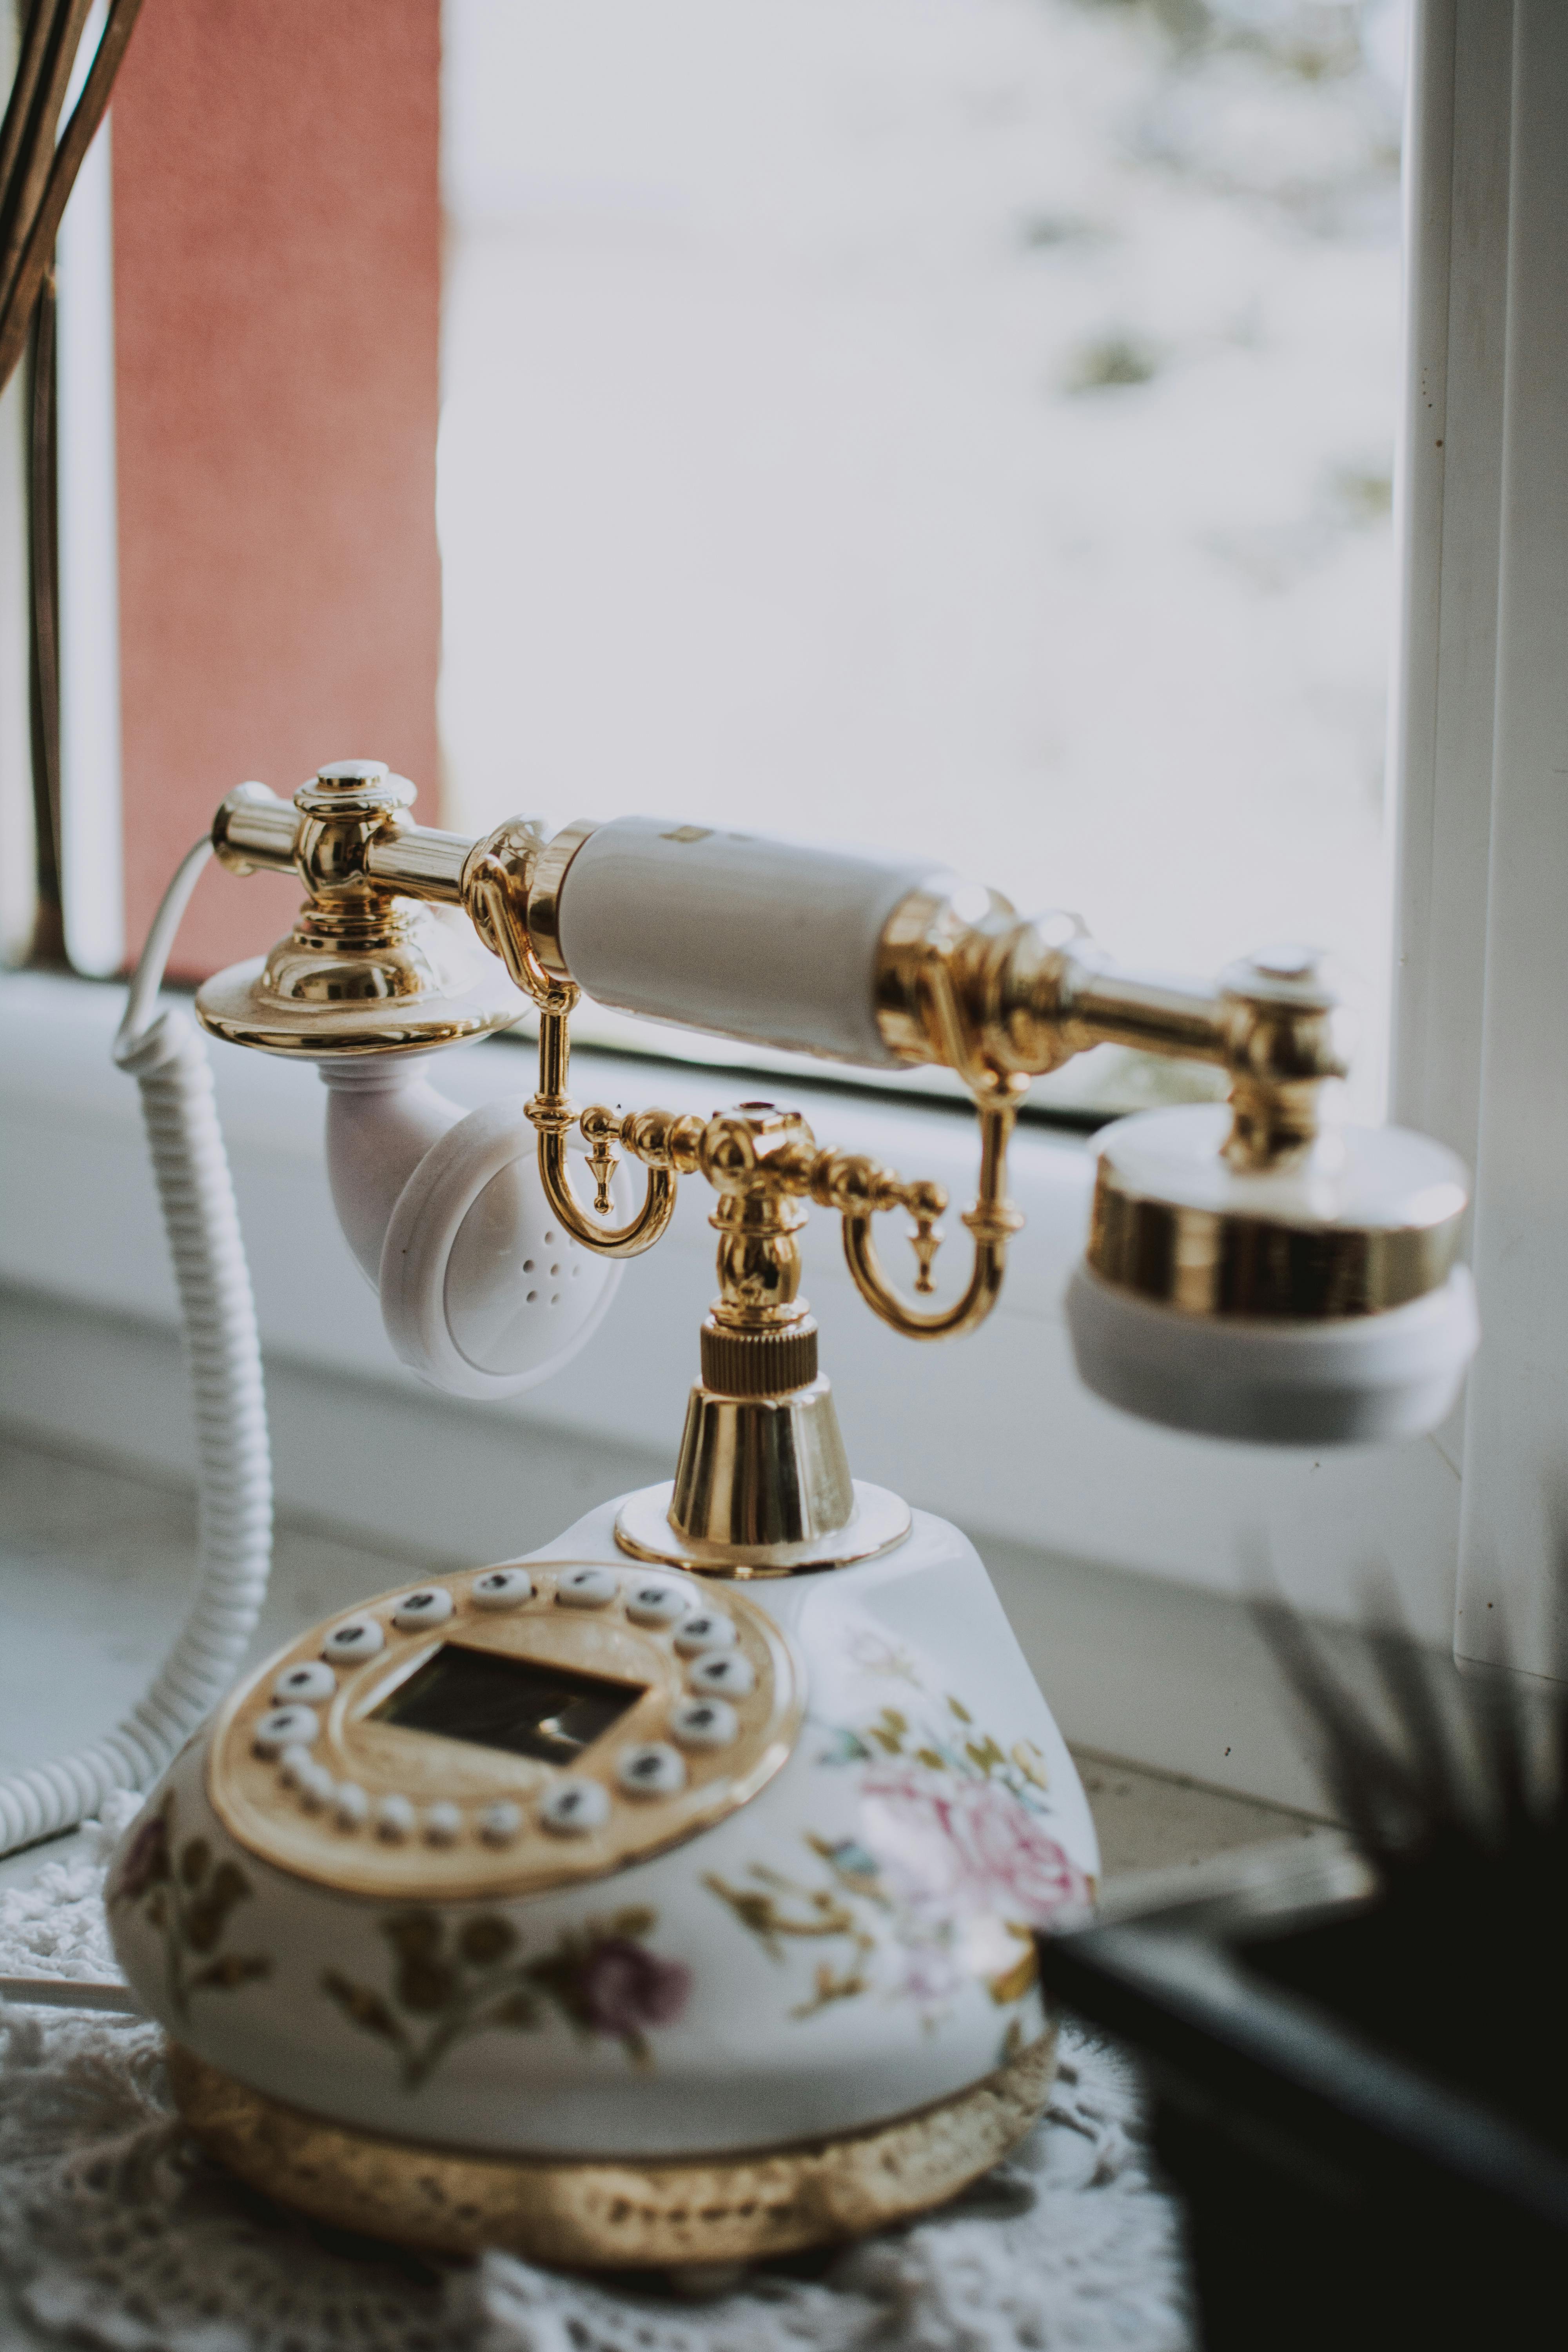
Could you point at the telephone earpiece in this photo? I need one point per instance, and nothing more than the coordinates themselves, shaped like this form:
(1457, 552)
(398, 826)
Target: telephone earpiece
(482, 1293)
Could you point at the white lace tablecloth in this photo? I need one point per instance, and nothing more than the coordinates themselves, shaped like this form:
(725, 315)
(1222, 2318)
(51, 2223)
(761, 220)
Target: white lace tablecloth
(117, 2232)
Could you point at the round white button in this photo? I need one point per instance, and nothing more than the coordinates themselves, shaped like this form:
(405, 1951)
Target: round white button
(356, 1637)
(574, 1807)
(703, 1722)
(724, 1672)
(656, 1603)
(502, 1588)
(350, 1805)
(431, 1605)
(709, 1630)
(651, 1770)
(308, 1681)
(586, 1588)
(294, 1767)
(285, 1727)
(442, 1824)
(395, 1818)
(499, 1823)
(314, 1783)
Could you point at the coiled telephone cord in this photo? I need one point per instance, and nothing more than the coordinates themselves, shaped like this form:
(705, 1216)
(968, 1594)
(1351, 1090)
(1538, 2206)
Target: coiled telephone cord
(166, 1055)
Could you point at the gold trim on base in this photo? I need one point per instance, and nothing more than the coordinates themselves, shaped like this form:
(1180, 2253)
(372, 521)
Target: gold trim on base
(578, 2214)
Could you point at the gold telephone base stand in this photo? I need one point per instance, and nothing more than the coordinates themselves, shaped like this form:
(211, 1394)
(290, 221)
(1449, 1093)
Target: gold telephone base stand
(627, 2213)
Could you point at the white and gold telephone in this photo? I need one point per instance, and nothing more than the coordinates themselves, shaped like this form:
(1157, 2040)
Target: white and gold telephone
(668, 1897)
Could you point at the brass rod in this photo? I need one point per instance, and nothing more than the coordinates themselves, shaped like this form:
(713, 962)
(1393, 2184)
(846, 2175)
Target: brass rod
(555, 1055)
(1151, 1015)
(254, 832)
(419, 862)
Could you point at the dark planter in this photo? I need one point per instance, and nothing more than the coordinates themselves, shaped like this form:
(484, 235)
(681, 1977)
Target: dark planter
(1347, 2179)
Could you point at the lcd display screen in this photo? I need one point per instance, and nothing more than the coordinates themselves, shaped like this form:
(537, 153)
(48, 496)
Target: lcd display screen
(521, 1705)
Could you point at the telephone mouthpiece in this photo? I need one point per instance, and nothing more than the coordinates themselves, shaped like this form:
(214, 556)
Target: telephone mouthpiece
(1314, 1301)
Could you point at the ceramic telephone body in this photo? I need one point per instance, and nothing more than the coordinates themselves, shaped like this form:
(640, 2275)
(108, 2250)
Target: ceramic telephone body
(849, 1943)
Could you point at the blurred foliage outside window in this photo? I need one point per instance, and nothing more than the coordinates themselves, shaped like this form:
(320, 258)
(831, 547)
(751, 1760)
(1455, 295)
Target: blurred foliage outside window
(956, 424)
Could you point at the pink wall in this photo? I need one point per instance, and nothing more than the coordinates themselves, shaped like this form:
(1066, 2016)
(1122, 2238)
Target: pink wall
(277, 289)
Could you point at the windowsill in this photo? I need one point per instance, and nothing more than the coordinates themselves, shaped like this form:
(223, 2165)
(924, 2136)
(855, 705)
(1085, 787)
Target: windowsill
(1120, 1549)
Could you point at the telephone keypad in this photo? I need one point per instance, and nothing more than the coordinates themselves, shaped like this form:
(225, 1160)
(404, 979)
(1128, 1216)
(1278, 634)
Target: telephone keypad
(516, 1727)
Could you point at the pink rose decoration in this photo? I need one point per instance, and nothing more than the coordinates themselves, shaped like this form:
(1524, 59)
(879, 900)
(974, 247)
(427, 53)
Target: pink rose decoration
(964, 1848)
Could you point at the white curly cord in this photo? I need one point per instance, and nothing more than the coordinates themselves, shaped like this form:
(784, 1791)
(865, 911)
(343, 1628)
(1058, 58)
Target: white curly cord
(166, 1056)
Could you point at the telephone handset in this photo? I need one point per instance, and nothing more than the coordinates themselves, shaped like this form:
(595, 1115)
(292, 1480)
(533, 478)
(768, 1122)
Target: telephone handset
(669, 1897)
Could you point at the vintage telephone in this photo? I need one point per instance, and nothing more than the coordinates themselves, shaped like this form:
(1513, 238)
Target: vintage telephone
(667, 1898)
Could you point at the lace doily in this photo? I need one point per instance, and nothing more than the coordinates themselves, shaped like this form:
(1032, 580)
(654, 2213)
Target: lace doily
(117, 2233)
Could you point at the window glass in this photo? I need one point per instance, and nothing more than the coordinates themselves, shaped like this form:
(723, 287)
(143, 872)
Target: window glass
(964, 423)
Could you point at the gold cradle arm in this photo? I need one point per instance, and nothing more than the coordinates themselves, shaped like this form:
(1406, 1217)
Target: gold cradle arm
(495, 884)
(992, 1221)
(552, 1116)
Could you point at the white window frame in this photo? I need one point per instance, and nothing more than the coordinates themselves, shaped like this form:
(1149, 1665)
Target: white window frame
(1482, 743)
(91, 859)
